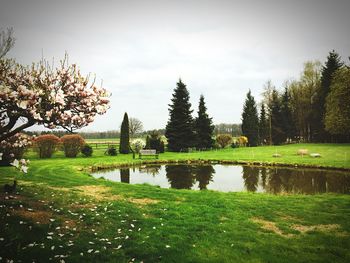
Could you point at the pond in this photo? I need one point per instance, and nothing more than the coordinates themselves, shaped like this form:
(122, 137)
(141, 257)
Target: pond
(233, 178)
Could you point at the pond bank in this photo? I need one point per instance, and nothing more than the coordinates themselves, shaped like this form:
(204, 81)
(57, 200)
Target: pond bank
(137, 162)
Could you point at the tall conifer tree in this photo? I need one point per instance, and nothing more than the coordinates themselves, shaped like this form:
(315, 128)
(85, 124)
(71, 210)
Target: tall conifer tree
(203, 126)
(263, 125)
(124, 145)
(332, 64)
(288, 125)
(250, 120)
(180, 127)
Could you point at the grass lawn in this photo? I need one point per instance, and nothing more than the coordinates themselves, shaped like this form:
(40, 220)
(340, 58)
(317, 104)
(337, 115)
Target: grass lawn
(62, 213)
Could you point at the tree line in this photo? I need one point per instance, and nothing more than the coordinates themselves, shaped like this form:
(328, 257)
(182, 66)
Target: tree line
(314, 108)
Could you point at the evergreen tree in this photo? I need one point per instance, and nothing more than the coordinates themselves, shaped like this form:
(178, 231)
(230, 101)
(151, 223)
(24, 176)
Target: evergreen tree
(263, 125)
(338, 105)
(204, 127)
(250, 120)
(124, 145)
(332, 64)
(277, 131)
(288, 126)
(179, 129)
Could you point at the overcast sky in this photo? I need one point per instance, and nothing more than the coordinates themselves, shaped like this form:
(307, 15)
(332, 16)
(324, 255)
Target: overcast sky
(140, 49)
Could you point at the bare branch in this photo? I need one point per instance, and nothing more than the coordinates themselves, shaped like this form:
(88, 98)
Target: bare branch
(135, 126)
(7, 41)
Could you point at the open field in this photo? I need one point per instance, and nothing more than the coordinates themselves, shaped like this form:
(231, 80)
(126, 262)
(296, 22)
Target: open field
(82, 219)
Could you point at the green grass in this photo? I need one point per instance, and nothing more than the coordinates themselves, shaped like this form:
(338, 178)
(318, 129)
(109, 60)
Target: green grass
(175, 225)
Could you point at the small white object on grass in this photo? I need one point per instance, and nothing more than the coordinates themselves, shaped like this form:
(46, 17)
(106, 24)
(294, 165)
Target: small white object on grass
(315, 155)
(276, 155)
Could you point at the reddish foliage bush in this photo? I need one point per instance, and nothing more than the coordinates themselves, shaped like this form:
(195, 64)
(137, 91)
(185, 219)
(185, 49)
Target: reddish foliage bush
(46, 145)
(72, 144)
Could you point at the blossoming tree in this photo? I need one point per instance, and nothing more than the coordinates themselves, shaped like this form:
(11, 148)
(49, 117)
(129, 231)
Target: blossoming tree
(54, 98)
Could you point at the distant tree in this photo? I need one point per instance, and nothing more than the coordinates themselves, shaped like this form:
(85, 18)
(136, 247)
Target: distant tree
(124, 145)
(337, 117)
(288, 122)
(278, 135)
(179, 129)
(267, 98)
(303, 97)
(135, 127)
(228, 128)
(100, 135)
(263, 125)
(203, 126)
(332, 64)
(250, 120)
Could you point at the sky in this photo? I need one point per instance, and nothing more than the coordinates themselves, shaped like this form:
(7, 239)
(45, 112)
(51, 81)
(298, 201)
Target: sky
(140, 49)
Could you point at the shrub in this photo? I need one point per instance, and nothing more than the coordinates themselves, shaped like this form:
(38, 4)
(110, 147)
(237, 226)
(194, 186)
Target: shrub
(86, 150)
(216, 145)
(242, 140)
(46, 145)
(223, 140)
(72, 144)
(162, 147)
(154, 141)
(112, 151)
(137, 145)
(235, 145)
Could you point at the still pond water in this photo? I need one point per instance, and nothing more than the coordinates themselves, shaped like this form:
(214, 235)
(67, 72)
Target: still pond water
(234, 178)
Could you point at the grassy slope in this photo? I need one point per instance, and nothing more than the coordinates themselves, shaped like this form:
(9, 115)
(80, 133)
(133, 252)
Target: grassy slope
(183, 226)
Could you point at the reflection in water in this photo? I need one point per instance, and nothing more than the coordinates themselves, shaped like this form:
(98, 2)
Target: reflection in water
(150, 169)
(237, 178)
(251, 178)
(125, 175)
(180, 176)
(304, 181)
(185, 176)
(204, 175)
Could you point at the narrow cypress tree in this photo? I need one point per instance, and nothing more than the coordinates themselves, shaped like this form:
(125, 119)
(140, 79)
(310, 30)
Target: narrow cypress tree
(288, 124)
(124, 145)
(263, 125)
(179, 129)
(332, 64)
(277, 133)
(250, 120)
(203, 126)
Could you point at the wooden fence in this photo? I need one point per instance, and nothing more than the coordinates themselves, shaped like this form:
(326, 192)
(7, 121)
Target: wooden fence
(103, 145)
